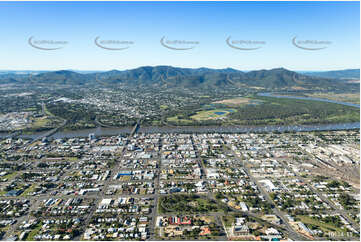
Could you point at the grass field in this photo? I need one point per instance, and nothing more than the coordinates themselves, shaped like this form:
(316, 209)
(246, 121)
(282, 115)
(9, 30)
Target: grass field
(325, 227)
(186, 203)
(213, 114)
(40, 122)
(179, 121)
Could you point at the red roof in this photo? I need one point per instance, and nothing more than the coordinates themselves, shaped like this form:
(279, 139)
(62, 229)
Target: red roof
(205, 231)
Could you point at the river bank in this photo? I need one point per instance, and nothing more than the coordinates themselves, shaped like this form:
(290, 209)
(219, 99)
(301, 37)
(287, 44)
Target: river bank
(109, 131)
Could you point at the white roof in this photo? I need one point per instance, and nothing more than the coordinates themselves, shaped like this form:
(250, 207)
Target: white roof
(106, 201)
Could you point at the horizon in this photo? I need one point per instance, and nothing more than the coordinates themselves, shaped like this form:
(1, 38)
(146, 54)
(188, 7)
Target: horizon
(242, 70)
(84, 35)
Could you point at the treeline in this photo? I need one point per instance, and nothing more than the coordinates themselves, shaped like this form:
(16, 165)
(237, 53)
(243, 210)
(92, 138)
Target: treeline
(290, 111)
(77, 115)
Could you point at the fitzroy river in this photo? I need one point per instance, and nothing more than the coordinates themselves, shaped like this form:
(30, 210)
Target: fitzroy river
(100, 131)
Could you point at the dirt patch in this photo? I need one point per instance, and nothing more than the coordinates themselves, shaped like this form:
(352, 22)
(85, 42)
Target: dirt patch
(234, 101)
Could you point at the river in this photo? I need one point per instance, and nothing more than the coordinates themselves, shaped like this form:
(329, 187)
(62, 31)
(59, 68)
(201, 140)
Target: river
(267, 94)
(100, 131)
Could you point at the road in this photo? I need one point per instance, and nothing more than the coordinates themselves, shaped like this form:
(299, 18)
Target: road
(286, 228)
(291, 232)
(323, 198)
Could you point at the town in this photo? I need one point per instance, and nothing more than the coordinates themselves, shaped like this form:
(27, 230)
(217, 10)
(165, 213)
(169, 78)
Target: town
(174, 186)
(180, 121)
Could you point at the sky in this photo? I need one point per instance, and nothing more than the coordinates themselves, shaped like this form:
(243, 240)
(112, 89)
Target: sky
(269, 26)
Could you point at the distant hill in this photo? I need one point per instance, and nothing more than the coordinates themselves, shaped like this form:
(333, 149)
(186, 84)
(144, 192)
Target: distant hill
(341, 74)
(174, 77)
(62, 77)
(213, 78)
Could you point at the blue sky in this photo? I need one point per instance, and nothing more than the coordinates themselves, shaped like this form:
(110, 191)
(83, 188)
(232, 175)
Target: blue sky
(211, 23)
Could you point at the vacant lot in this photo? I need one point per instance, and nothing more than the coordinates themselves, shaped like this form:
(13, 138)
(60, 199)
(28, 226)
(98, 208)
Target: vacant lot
(234, 101)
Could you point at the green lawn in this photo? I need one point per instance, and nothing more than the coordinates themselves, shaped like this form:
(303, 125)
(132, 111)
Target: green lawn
(179, 121)
(212, 114)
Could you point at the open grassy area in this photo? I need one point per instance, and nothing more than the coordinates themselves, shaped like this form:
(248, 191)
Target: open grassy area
(325, 227)
(72, 158)
(228, 220)
(32, 109)
(40, 122)
(187, 204)
(179, 121)
(234, 101)
(212, 114)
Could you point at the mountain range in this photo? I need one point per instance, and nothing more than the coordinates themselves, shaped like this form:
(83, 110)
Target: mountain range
(175, 77)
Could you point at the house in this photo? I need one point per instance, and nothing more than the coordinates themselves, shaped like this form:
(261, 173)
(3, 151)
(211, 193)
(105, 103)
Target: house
(241, 230)
(205, 231)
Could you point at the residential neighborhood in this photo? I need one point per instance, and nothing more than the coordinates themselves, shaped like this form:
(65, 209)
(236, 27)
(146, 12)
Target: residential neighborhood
(205, 186)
